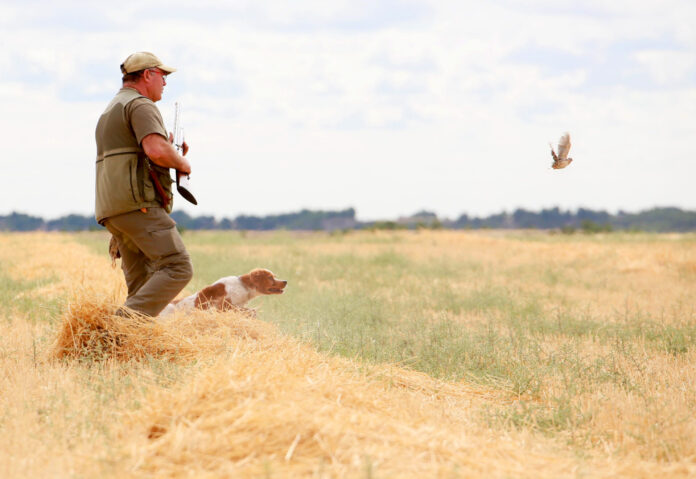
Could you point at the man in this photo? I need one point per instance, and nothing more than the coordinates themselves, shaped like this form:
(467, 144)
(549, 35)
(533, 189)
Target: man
(133, 188)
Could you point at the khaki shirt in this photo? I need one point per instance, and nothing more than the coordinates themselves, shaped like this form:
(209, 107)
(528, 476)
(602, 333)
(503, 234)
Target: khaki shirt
(123, 178)
(145, 118)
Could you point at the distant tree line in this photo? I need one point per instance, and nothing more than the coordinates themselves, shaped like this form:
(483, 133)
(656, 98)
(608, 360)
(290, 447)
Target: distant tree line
(22, 222)
(656, 219)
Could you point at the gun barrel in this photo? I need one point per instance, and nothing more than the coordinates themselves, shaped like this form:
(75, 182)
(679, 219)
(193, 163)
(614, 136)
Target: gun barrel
(178, 129)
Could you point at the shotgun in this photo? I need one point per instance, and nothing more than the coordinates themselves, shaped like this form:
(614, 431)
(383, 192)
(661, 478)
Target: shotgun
(182, 179)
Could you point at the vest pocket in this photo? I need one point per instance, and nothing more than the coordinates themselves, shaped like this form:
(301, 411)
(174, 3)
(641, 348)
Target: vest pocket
(165, 180)
(149, 192)
(134, 183)
(116, 185)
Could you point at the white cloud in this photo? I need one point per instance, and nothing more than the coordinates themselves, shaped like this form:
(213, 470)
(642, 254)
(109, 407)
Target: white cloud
(440, 105)
(668, 67)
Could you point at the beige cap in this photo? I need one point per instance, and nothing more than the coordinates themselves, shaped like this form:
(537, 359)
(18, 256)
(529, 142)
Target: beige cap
(143, 60)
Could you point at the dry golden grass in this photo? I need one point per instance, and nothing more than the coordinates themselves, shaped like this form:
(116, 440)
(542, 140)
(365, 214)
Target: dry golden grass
(601, 277)
(219, 395)
(282, 408)
(70, 267)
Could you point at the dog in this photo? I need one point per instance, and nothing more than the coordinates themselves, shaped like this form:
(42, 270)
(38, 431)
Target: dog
(229, 293)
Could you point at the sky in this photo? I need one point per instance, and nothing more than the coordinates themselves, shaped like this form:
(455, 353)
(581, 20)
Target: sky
(389, 107)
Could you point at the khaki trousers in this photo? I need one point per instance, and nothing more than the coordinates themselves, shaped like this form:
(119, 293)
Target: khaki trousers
(153, 258)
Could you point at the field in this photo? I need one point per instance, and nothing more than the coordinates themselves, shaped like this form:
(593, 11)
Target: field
(392, 354)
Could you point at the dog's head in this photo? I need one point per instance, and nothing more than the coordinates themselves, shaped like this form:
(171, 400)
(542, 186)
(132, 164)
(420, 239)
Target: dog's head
(264, 282)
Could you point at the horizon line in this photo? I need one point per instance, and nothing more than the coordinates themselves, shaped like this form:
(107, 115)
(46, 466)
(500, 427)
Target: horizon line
(422, 210)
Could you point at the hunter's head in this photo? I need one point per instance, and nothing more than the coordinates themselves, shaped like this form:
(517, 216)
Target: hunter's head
(146, 73)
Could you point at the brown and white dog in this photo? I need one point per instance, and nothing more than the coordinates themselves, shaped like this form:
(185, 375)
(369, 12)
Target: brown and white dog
(230, 292)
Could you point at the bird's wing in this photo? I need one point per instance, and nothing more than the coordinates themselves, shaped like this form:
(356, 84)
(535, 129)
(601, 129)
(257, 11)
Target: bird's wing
(553, 153)
(564, 146)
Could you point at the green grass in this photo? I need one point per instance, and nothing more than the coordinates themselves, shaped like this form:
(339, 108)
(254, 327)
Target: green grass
(15, 297)
(389, 307)
(351, 304)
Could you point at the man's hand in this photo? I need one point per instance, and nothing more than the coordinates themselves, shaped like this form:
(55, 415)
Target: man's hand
(162, 153)
(185, 166)
(184, 145)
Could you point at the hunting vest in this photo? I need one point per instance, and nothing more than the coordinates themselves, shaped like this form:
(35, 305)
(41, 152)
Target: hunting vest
(123, 170)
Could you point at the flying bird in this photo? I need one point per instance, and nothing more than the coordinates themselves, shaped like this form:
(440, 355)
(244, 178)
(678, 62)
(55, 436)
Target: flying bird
(561, 160)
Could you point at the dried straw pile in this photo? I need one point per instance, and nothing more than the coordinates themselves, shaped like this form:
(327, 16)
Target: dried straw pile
(90, 329)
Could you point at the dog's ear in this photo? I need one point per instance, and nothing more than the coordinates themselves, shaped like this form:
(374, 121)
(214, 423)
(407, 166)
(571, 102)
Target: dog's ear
(256, 279)
(262, 277)
(247, 281)
(212, 296)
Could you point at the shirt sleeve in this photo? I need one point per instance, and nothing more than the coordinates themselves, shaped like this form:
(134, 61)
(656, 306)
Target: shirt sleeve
(145, 119)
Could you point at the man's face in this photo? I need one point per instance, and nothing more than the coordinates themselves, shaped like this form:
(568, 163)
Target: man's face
(155, 80)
